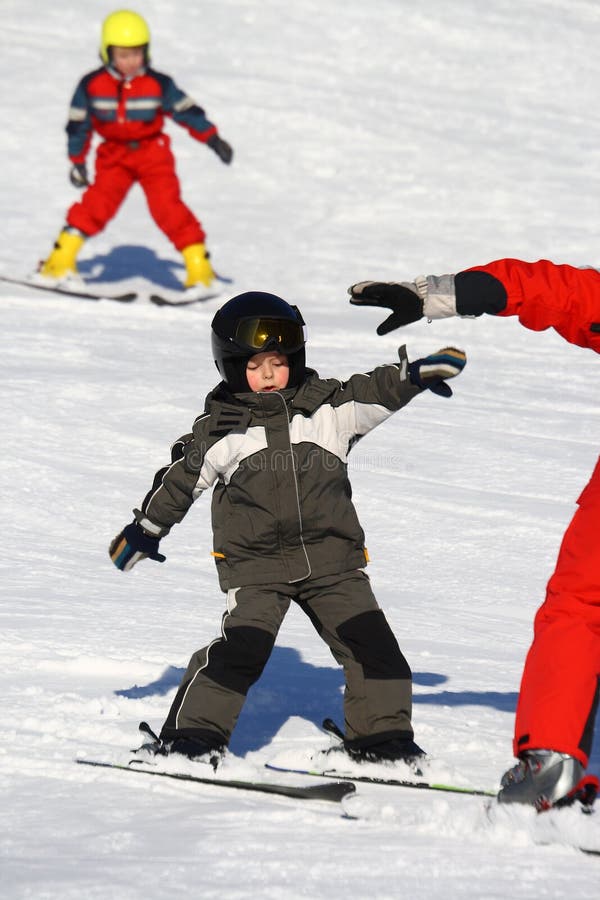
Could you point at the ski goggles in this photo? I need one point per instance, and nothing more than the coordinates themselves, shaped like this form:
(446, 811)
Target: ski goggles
(264, 333)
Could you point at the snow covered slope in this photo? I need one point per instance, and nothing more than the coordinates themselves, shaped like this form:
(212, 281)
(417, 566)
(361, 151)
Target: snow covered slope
(372, 140)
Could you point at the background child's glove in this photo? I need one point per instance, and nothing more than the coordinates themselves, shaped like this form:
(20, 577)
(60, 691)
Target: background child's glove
(78, 175)
(403, 299)
(432, 371)
(223, 150)
(133, 544)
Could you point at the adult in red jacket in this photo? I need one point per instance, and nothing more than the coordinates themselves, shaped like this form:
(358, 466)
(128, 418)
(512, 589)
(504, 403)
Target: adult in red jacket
(125, 102)
(559, 688)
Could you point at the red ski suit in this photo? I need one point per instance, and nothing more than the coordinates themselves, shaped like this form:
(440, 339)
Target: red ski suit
(129, 115)
(559, 687)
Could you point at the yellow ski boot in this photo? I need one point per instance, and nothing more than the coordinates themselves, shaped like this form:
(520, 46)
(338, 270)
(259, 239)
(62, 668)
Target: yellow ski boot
(62, 261)
(198, 268)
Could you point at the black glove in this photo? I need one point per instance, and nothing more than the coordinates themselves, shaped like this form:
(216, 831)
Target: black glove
(433, 370)
(403, 299)
(133, 544)
(78, 175)
(223, 150)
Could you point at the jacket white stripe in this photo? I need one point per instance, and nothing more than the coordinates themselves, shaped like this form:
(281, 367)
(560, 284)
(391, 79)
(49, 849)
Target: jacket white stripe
(331, 428)
(334, 428)
(224, 458)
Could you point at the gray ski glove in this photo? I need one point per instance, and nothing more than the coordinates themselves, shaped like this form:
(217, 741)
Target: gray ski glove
(428, 295)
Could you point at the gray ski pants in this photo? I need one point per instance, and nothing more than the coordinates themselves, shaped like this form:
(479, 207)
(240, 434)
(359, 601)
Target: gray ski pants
(345, 613)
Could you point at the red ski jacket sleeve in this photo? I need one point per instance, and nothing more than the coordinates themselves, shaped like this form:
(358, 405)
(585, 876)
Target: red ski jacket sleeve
(543, 295)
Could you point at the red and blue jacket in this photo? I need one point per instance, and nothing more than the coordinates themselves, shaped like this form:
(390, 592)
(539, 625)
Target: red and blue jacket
(129, 111)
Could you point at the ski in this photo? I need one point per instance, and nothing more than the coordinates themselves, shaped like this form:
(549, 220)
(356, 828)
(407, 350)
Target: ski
(546, 829)
(391, 782)
(550, 828)
(161, 300)
(332, 792)
(65, 292)
(185, 298)
(332, 728)
(589, 851)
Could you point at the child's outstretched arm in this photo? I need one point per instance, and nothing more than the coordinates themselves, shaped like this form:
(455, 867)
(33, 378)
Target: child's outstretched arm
(174, 490)
(367, 400)
(187, 113)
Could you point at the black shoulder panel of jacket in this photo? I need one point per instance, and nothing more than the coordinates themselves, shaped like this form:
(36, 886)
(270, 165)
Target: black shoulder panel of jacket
(226, 419)
(477, 293)
(313, 392)
(170, 92)
(163, 80)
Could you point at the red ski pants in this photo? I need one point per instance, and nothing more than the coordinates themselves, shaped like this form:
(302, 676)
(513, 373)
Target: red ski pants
(151, 163)
(559, 689)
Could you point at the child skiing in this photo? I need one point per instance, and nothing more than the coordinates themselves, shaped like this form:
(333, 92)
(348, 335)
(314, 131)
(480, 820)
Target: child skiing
(558, 698)
(125, 103)
(273, 443)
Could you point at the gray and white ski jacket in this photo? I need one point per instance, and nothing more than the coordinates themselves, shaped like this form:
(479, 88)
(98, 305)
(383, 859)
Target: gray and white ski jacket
(281, 505)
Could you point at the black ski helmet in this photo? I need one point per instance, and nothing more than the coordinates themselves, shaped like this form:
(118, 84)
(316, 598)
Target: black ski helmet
(252, 323)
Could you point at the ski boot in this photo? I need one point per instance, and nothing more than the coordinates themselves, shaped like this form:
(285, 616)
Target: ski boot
(393, 750)
(546, 779)
(61, 263)
(198, 268)
(192, 747)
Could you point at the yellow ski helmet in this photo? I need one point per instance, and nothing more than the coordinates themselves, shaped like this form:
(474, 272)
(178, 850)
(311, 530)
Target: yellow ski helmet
(123, 28)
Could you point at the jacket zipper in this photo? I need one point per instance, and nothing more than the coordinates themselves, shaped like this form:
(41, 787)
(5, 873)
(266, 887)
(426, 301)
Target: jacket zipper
(294, 580)
(121, 115)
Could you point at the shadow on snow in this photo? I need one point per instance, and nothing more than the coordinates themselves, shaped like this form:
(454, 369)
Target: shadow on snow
(130, 261)
(290, 687)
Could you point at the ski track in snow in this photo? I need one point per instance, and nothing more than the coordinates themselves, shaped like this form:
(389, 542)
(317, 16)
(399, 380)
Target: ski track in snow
(371, 141)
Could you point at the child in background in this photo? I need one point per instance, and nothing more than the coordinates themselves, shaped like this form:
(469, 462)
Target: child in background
(125, 102)
(273, 442)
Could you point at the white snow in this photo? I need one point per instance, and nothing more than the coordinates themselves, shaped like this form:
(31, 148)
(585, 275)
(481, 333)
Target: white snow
(380, 140)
